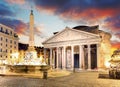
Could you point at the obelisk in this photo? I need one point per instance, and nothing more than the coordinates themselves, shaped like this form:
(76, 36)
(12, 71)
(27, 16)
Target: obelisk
(31, 32)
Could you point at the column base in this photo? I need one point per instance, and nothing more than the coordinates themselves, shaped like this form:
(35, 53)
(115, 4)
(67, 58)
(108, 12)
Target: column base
(101, 69)
(89, 69)
(64, 68)
(72, 69)
(80, 69)
(57, 68)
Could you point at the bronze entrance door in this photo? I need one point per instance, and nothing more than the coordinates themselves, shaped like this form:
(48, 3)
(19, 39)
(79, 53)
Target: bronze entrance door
(76, 60)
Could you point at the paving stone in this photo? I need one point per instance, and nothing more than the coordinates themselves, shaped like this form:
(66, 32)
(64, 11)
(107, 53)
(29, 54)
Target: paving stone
(81, 79)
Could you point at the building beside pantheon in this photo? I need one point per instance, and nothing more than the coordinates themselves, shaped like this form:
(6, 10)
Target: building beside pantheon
(8, 44)
(82, 47)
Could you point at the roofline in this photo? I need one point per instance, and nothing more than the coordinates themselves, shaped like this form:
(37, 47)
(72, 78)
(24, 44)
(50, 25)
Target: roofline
(70, 29)
(54, 35)
(84, 32)
(7, 27)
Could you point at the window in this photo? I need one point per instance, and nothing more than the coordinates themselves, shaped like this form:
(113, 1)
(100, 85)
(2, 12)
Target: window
(10, 46)
(0, 50)
(6, 50)
(10, 41)
(10, 51)
(14, 42)
(11, 32)
(6, 31)
(1, 44)
(1, 28)
(6, 40)
(1, 38)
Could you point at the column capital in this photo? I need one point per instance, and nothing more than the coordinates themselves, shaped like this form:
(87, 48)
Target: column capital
(57, 47)
(50, 48)
(64, 46)
(81, 45)
(88, 45)
(72, 45)
(98, 45)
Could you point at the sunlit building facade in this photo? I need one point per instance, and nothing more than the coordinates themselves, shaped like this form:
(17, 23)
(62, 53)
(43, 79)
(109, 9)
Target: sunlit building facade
(8, 43)
(81, 47)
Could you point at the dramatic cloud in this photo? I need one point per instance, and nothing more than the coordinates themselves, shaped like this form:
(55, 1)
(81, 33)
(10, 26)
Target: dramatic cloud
(16, 1)
(5, 10)
(118, 35)
(85, 11)
(115, 19)
(79, 6)
(38, 30)
(116, 44)
(106, 13)
(18, 25)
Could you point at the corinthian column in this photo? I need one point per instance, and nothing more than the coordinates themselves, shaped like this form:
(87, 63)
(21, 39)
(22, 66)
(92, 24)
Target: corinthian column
(80, 57)
(64, 58)
(50, 56)
(72, 56)
(89, 57)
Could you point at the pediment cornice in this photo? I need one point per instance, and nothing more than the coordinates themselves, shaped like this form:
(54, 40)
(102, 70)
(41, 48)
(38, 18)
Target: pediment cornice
(69, 34)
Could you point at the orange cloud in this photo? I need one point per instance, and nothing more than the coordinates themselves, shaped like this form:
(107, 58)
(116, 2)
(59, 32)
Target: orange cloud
(21, 29)
(49, 10)
(116, 45)
(88, 14)
(16, 1)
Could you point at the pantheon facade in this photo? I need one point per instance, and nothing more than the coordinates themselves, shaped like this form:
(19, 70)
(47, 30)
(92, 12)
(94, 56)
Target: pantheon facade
(81, 47)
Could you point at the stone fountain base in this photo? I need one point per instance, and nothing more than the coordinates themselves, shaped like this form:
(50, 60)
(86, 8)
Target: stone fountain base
(28, 68)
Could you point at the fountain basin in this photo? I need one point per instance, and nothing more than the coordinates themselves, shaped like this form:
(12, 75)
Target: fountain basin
(28, 68)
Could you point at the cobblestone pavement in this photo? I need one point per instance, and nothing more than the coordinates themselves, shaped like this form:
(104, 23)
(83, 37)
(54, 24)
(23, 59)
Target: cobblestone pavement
(81, 79)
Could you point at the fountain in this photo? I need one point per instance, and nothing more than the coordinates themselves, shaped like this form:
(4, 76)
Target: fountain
(30, 62)
(31, 59)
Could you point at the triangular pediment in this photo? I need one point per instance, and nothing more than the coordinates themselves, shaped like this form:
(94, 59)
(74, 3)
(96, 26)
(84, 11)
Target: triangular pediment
(70, 35)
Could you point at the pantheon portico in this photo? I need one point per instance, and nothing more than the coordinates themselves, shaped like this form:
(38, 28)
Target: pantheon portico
(75, 48)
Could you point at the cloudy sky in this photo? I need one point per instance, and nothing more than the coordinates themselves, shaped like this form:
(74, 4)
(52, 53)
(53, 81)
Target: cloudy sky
(55, 15)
